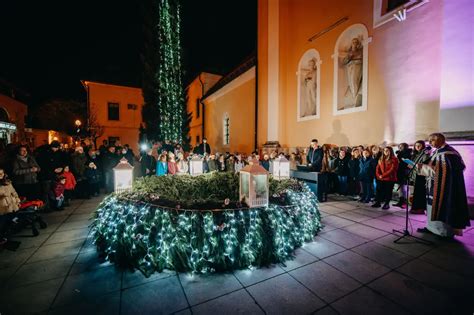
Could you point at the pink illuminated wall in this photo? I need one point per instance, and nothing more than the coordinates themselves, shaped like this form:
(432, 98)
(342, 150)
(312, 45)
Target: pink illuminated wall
(466, 149)
(457, 66)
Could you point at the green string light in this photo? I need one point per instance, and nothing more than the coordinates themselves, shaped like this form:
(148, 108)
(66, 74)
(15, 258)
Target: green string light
(170, 91)
(152, 238)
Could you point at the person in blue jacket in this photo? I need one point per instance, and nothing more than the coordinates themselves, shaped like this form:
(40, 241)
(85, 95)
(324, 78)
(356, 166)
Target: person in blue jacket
(162, 166)
(366, 176)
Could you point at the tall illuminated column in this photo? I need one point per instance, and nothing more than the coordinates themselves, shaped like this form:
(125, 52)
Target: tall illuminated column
(273, 74)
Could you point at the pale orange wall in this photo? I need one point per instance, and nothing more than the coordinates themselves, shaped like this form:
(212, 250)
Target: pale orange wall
(403, 73)
(17, 112)
(127, 128)
(239, 104)
(262, 68)
(195, 91)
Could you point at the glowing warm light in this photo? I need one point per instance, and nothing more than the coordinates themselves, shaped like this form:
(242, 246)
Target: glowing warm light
(123, 175)
(78, 122)
(280, 168)
(254, 186)
(195, 166)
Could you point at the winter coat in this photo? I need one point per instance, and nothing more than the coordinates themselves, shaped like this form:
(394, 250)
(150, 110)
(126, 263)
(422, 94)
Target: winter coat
(221, 167)
(266, 164)
(341, 167)
(366, 170)
(9, 199)
(403, 169)
(315, 158)
(212, 165)
(182, 167)
(79, 161)
(70, 180)
(161, 168)
(49, 160)
(387, 170)
(354, 169)
(109, 161)
(172, 168)
(57, 190)
(23, 170)
(148, 162)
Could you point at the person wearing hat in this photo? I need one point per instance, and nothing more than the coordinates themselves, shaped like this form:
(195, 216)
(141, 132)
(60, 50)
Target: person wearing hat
(51, 162)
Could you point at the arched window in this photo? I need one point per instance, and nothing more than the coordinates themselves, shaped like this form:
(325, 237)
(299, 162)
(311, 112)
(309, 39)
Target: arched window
(226, 129)
(4, 115)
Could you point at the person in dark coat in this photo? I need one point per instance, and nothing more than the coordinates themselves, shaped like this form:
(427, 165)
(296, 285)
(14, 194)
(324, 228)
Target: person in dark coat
(203, 148)
(266, 162)
(93, 173)
(109, 161)
(25, 174)
(148, 163)
(127, 153)
(353, 178)
(404, 152)
(79, 165)
(51, 162)
(342, 171)
(315, 156)
(419, 155)
(366, 175)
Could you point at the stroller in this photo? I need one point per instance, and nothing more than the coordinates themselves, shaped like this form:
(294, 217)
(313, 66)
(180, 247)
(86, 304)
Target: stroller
(28, 216)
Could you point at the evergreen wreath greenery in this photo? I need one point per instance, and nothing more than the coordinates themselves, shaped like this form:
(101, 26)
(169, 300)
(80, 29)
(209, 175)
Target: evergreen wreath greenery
(197, 224)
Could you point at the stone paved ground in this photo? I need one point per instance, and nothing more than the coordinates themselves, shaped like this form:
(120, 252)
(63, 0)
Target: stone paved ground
(352, 267)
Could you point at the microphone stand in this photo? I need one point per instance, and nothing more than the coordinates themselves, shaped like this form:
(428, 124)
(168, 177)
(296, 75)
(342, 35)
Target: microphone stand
(405, 233)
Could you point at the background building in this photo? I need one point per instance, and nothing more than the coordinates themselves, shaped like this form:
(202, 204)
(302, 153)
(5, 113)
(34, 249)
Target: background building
(13, 113)
(195, 90)
(117, 110)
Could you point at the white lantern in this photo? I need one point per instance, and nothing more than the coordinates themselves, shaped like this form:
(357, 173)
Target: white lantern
(195, 166)
(123, 176)
(280, 168)
(254, 186)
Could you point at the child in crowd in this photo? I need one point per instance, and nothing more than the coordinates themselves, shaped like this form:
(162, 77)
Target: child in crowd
(172, 169)
(366, 176)
(266, 162)
(162, 166)
(182, 164)
(69, 185)
(221, 164)
(56, 195)
(230, 164)
(239, 163)
(212, 163)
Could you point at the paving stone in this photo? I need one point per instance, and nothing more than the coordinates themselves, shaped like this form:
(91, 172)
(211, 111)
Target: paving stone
(41, 271)
(248, 277)
(284, 295)
(65, 236)
(163, 296)
(134, 278)
(239, 302)
(200, 288)
(336, 221)
(412, 294)
(54, 251)
(14, 259)
(322, 248)
(108, 304)
(301, 258)
(354, 216)
(74, 225)
(86, 286)
(407, 245)
(358, 267)
(344, 238)
(366, 301)
(364, 231)
(29, 299)
(325, 281)
(383, 255)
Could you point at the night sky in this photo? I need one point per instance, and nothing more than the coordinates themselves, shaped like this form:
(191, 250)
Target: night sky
(48, 46)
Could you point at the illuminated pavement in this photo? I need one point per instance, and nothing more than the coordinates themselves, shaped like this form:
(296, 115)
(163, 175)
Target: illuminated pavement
(352, 267)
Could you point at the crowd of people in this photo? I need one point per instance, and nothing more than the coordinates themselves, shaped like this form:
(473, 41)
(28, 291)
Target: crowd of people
(55, 173)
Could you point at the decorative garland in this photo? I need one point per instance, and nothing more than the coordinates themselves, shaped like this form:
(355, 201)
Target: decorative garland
(153, 237)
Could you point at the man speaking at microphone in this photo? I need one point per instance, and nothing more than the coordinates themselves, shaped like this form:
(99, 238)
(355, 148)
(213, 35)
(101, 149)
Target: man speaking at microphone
(447, 207)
